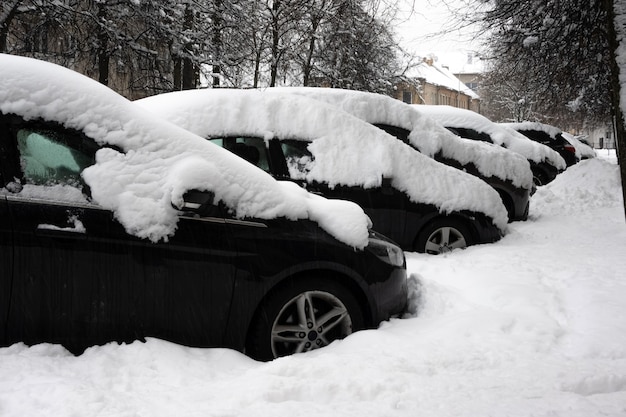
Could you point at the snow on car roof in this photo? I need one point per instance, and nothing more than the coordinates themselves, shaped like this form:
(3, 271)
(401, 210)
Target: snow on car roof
(347, 150)
(500, 134)
(425, 134)
(160, 161)
(552, 131)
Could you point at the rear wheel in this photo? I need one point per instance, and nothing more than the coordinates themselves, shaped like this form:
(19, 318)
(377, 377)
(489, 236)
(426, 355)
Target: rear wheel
(442, 236)
(540, 177)
(302, 316)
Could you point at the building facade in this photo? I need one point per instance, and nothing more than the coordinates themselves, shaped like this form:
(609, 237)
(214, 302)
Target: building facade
(434, 84)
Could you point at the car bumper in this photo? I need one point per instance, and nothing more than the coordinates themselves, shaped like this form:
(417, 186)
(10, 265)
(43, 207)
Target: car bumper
(390, 296)
(486, 231)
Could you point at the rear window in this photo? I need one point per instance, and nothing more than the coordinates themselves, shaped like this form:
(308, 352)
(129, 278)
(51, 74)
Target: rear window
(298, 157)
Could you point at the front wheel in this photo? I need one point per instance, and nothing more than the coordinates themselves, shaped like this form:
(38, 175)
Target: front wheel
(443, 236)
(302, 316)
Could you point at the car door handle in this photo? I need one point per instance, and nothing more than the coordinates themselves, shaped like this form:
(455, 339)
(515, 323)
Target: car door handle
(75, 230)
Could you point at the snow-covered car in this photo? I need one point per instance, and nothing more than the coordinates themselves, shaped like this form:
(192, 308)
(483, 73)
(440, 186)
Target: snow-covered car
(507, 172)
(547, 135)
(117, 226)
(545, 163)
(581, 146)
(421, 204)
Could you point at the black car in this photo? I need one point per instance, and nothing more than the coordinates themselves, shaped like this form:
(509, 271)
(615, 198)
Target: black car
(421, 204)
(550, 136)
(214, 263)
(545, 163)
(543, 171)
(516, 199)
(414, 226)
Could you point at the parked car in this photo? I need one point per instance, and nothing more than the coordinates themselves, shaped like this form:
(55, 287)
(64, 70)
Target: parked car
(582, 148)
(421, 204)
(549, 136)
(508, 173)
(545, 163)
(117, 226)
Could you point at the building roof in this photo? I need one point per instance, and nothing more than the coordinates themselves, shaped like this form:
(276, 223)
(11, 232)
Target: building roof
(436, 74)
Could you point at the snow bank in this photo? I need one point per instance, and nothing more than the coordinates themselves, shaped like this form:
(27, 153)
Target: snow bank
(592, 183)
(160, 161)
(347, 150)
(425, 134)
(499, 132)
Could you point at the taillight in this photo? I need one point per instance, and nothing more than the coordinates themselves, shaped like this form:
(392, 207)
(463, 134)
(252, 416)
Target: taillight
(570, 148)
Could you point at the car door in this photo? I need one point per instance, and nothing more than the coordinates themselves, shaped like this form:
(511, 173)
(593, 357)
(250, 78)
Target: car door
(385, 205)
(79, 279)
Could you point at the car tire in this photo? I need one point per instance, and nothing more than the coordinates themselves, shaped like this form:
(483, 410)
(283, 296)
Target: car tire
(443, 235)
(540, 177)
(303, 315)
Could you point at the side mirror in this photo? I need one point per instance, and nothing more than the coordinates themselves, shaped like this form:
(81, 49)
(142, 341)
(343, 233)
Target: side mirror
(386, 186)
(196, 201)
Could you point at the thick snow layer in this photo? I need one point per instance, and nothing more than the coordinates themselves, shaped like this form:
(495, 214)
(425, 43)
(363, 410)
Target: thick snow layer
(347, 150)
(500, 134)
(552, 131)
(533, 325)
(424, 134)
(160, 161)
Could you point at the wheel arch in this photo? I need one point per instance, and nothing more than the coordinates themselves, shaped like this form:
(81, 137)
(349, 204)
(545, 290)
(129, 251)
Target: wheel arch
(507, 200)
(455, 216)
(352, 284)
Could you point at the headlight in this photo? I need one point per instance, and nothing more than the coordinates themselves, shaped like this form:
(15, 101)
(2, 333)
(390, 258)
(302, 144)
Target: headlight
(385, 249)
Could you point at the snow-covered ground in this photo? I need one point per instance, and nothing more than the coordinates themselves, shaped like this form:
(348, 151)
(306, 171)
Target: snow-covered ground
(533, 325)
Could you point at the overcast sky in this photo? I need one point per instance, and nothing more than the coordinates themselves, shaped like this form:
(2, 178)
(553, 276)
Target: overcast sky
(432, 28)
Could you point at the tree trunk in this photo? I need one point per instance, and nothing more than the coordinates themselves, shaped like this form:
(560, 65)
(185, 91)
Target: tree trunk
(5, 22)
(178, 77)
(309, 57)
(218, 22)
(275, 43)
(618, 63)
(103, 44)
(188, 67)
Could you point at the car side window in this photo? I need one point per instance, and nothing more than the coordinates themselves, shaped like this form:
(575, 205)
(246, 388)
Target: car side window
(252, 149)
(298, 157)
(470, 134)
(398, 132)
(47, 159)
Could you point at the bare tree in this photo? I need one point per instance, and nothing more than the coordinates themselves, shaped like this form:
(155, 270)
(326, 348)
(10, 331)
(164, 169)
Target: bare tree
(551, 53)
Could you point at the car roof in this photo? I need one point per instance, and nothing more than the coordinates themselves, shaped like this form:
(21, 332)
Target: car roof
(159, 161)
(366, 154)
(551, 131)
